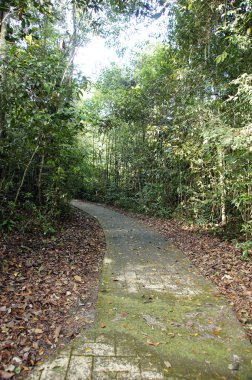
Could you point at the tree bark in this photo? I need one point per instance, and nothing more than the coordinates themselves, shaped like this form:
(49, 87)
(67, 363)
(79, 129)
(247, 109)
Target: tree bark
(25, 173)
(40, 178)
(221, 159)
(3, 133)
(3, 22)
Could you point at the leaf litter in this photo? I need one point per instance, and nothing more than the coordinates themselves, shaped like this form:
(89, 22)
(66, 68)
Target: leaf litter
(42, 282)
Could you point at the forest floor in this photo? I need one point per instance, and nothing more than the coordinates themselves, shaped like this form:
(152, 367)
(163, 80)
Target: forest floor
(157, 317)
(49, 286)
(49, 290)
(218, 260)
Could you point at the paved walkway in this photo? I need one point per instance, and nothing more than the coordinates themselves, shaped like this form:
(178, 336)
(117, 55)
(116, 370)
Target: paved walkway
(157, 317)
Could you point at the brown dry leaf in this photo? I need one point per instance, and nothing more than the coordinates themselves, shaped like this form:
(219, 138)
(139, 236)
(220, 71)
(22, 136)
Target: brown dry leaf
(151, 343)
(38, 331)
(40, 283)
(6, 375)
(217, 331)
(56, 333)
(124, 314)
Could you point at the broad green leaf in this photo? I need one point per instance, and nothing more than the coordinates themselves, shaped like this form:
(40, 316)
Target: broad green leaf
(29, 39)
(221, 58)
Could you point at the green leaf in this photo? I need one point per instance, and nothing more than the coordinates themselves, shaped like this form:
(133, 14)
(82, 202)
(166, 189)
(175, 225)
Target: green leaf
(17, 370)
(57, 369)
(221, 58)
(29, 39)
(189, 5)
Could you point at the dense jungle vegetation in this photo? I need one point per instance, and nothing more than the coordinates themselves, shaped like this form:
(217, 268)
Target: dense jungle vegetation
(169, 134)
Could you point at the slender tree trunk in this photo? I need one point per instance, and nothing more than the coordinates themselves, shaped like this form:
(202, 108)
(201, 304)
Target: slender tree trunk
(40, 178)
(221, 161)
(93, 150)
(74, 43)
(116, 169)
(3, 133)
(25, 173)
(3, 22)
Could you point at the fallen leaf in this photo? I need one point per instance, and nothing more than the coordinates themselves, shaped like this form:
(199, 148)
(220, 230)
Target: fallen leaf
(56, 333)
(57, 369)
(77, 278)
(16, 360)
(6, 375)
(234, 366)
(38, 331)
(151, 343)
(17, 370)
(35, 345)
(10, 368)
(217, 331)
(124, 314)
(168, 364)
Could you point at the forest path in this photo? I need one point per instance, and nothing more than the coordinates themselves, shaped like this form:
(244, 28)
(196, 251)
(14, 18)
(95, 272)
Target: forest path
(158, 318)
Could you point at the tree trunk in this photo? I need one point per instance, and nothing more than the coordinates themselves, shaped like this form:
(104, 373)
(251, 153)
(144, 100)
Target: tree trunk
(3, 22)
(221, 160)
(25, 173)
(40, 179)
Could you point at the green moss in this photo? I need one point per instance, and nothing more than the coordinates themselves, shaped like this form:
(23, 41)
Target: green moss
(201, 347)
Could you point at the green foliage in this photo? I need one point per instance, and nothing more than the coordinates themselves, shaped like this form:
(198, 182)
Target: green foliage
(39, 123)
(41, 165)
(246, 249)
(172, 137)
(7, 225)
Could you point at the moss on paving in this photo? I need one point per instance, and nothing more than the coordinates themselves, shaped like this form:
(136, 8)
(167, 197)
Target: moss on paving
(156, 315)
(200, 347)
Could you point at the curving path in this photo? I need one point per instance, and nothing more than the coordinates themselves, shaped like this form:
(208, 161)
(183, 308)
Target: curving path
(158, 318)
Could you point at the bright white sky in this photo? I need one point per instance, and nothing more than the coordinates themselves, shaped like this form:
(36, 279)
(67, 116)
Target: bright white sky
(92, 58)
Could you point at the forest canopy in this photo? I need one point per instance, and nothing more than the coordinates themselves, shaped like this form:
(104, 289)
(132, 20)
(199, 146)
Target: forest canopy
(168, 134)
(171, 135)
